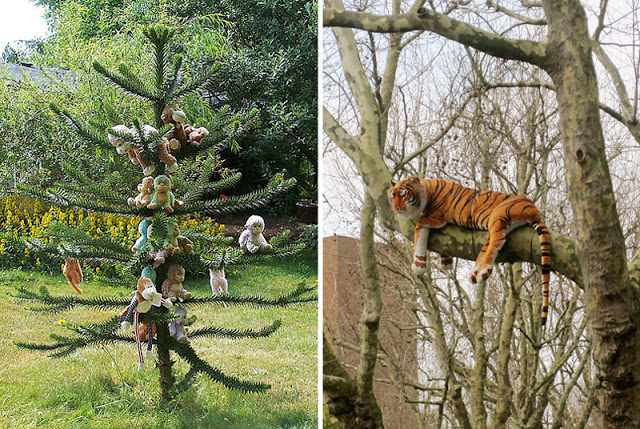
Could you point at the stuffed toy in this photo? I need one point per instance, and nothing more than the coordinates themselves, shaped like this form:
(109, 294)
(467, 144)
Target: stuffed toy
(177, 136)
(218, 282)
(149, 273)
(177, 327)
(144, 298)
(172, 288)
(162, 148)
(184, 244)
(195, 135)
(158, 257)
(73, 273)
(164, 155)
(144, 335)
(144, 228)
(162, 196)
(142, 200)
(174, 242)
(130, 149)
(252, 238)
(171, 240)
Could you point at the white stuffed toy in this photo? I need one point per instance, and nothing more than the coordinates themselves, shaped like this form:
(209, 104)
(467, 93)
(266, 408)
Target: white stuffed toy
(177, 328)
(130, 149)
(252, 238)
(218, 282)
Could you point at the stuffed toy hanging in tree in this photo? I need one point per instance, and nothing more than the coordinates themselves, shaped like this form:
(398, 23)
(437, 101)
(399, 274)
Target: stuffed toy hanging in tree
(144, 228)
(162, 196)
(73, 273)
(177, 328)
(172, 288)
(177, 136)
(145, 297)
(218, 281)
(142, 200)
(252, 238)
(130, 149)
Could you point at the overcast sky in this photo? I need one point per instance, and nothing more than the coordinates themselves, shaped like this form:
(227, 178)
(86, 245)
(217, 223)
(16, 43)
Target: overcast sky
(21, 20)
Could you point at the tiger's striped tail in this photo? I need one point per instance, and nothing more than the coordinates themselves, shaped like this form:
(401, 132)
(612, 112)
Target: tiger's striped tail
(545, 248)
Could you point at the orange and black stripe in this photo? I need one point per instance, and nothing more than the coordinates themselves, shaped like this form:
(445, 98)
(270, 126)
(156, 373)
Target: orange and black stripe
(545, 248)
(451, 203)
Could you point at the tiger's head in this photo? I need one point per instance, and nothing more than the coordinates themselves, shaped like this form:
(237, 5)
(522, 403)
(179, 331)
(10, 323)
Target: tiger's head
(408, 198)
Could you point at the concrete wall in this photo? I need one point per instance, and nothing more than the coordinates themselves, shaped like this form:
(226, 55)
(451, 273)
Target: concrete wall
(343, 300)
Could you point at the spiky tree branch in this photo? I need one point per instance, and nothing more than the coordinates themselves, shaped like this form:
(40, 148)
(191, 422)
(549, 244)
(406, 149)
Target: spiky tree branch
(200, 198)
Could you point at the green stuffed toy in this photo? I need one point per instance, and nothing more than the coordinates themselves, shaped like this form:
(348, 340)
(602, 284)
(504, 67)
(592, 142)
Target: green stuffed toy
(162, 196)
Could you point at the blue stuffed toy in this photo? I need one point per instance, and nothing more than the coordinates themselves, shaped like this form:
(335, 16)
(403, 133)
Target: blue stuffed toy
(144, 228)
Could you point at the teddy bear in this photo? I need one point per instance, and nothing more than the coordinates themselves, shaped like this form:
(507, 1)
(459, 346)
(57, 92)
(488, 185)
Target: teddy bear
(218, 281)
(172, 288)
(162, 148)
(252, 238)
(177, 136)
(130, 149)
(145, 188)
(73, 273)
(162, 196)
(144, 298)
(195, 135)
(177, 327)
(144, 228)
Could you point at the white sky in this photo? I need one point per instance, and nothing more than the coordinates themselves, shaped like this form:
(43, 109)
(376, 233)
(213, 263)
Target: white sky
(21, 20)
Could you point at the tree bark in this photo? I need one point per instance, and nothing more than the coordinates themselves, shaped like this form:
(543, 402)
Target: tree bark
(600, 245)
(338, 388)
(165, 364)
(368, 414)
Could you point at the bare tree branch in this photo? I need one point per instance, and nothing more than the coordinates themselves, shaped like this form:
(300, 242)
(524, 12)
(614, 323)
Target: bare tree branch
(429, 20)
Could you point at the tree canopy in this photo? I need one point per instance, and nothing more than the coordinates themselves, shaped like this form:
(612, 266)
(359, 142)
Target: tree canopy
(264, 54)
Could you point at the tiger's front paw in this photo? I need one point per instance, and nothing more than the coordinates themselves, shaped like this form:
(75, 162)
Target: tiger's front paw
(484, 274)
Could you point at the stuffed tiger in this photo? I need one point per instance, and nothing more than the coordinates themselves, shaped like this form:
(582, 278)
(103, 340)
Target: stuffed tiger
(434, 203)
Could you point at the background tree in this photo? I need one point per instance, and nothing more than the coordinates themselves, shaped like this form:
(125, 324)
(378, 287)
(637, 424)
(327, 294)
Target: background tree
(532, 35)
(265, 56)
(196, 252)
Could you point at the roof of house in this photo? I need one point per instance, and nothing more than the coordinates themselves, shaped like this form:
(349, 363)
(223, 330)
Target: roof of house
(42, 76)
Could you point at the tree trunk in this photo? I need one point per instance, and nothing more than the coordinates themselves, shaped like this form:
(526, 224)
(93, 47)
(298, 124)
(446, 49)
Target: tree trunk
(165, 364)
(600, 245)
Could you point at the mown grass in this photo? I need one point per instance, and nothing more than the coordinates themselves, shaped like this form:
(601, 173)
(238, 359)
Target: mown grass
(100, 387)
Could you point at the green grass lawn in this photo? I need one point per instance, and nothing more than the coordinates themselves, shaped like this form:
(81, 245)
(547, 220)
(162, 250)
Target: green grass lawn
(101, 387)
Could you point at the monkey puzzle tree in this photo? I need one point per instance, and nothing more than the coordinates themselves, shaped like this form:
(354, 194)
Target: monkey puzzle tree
(162, 250)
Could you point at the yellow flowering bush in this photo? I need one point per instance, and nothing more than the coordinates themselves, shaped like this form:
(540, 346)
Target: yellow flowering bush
(22, 216)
